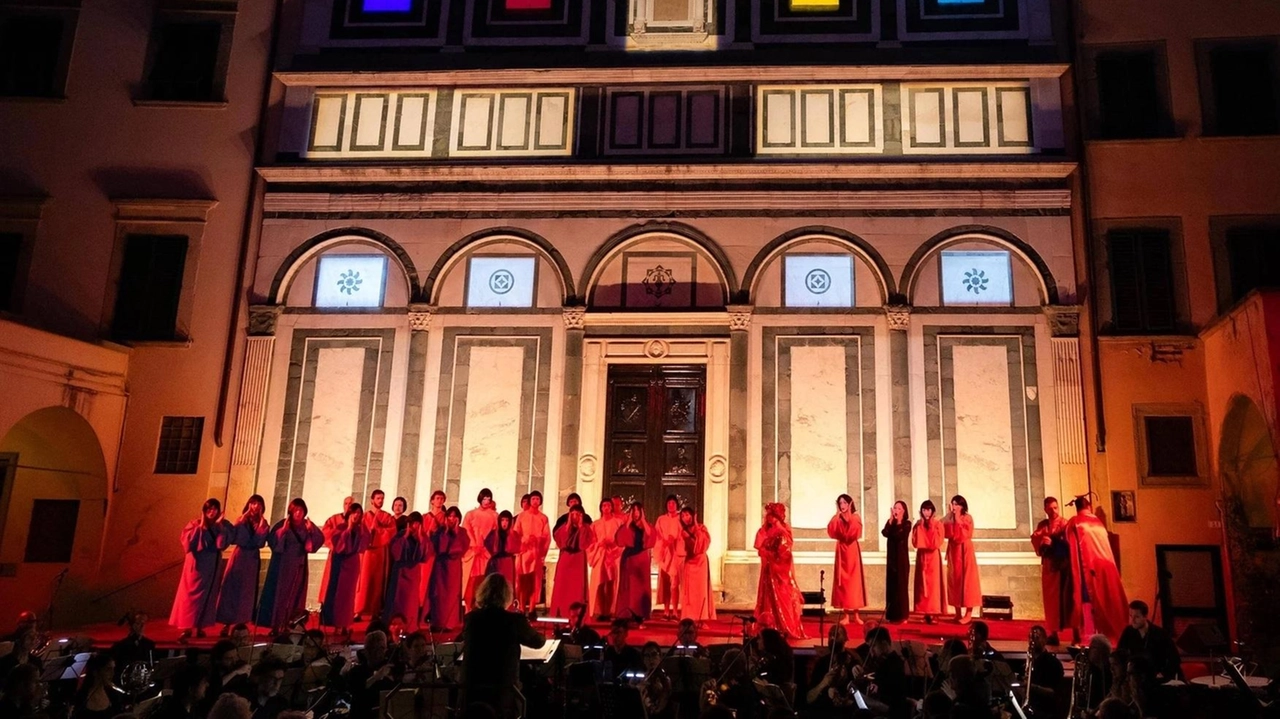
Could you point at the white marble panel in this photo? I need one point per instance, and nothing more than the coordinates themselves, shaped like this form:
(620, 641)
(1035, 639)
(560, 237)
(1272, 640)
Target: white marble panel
(984, 435)
(369, 122)
(552, 112)
(927, 117)
(857, 117)
(335, 420)
(491, 430)
(777, 118)
(819, 435)
(328, 122)
(515, 121)
(1014, 127)
(409, 129)
(476, 125)
(817, 118)
(971, 115)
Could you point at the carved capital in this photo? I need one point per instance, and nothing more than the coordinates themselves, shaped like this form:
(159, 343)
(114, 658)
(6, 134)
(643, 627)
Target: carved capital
(739, 318)
(1064, 320)
(262, 320)
(575, 318)
(899, 317)
(420, 317)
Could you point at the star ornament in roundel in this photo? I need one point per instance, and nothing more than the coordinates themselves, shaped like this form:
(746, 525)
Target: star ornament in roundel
(817, 281)
(349, 282)
(658, 281)
(975, 281)
(501, 282)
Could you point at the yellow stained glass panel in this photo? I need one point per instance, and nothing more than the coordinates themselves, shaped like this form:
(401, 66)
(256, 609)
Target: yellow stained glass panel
(815, 5)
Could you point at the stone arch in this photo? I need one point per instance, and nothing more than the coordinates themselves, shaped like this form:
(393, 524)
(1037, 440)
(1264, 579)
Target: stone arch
(980, 233)
(1247, 462)
(331, 238)
(476, 240)
(832, 235)
(679, 231)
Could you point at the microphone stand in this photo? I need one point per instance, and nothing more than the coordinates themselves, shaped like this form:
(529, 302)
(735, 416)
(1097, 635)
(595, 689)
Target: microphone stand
(822, 618)
(53, 595)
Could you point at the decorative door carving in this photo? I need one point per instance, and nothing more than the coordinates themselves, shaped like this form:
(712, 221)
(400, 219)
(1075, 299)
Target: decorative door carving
(654, 434)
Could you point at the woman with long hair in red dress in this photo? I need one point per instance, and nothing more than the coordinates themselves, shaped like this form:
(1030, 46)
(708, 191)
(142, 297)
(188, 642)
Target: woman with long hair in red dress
(778, 600)
(926, 537)
(964, 586)
(849, 589)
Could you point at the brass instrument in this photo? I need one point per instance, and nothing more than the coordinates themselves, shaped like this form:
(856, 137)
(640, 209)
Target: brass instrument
(1026, 682)
(1081, 688)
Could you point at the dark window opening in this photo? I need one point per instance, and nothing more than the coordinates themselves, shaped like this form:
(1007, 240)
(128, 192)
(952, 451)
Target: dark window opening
(1254, 257)
(1142, 290)
(1244, 90)
(10, 251)
(149, 288)
(1171, 446)
(179, 451)
(1129, 103)
(30, 52)
(52, 532)
(186, 61)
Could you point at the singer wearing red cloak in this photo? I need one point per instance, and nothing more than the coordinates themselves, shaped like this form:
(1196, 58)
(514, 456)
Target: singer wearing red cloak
(1096, 586)
(375, 563)
(778, 600)
(478, 523)
(327, 529)
(450, 544)
(1050, 542)
(964, 586)
(930, 581)
(604, 556)
(636, 538)
(408, 550)
(347, 541)
(240, 582)
(284, 593)
(664, 552)
(695, 571)
(573, 538)
(203, 540)
(849, 587)
(503, 546)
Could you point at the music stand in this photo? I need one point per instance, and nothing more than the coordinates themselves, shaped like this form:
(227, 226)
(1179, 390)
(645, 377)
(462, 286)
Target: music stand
(59, 668)
(772, 695)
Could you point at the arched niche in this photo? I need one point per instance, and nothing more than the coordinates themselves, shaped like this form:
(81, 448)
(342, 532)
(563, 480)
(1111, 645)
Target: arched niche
(475, 263)
(1028, 275)
(296, 282)
(656, 270)
(766, 278)
(1247, 460)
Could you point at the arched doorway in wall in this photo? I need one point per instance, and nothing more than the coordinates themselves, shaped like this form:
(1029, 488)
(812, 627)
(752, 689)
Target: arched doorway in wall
(53, 494)
(1251, 497)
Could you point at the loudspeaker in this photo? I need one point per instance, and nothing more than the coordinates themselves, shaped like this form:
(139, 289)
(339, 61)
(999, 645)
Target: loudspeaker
(1201, 638)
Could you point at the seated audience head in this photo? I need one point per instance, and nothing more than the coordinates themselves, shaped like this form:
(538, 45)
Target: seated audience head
(1138, 612)
(224, 656)
(651, 653)
(618, 632)
(494, 592)
(231, 706)
(979, 633)
(1113, 708)
(1099, 650)
(733, 665)
(189, 684)
(99, 670)
(268, 675)
(375, 646)
(1038, 638)
(837, 637)
(687, 632)
(415, 647)
(240, 635)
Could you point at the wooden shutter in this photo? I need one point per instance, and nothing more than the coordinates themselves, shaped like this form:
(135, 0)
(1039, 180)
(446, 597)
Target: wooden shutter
(1160, 309)
(1142, 290)
(150, 287)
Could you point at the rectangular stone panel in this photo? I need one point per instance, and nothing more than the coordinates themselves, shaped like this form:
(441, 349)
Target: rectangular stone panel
(983, 433)
(335, 424)
(491, 429)
(819, 434)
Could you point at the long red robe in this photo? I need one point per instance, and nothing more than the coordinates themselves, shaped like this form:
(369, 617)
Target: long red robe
(375, 563)
(1095, 578)
(930, 581)
(635, 596)
(604, 556)
(478, 523)
(404, 595)
(342, 574)
(240, 582)
(431, 521)
(664, 554)
(696, 602)
(849, 588)
(503, 548)
(446, 578)
(964, 586)
(778, 601)
(571, 569)
(535, 541)
(196, 599)
(328, 529)
(1050, 542)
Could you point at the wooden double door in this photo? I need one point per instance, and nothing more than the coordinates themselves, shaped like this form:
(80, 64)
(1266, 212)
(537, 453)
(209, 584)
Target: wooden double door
(655, 435)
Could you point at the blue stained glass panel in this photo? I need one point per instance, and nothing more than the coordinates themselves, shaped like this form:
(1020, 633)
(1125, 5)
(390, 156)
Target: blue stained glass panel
(387, 5)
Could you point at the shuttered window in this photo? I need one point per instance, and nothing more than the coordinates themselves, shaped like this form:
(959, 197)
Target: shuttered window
(1244, 93)
(150, 287)
(1141, 268)
(1129, 103)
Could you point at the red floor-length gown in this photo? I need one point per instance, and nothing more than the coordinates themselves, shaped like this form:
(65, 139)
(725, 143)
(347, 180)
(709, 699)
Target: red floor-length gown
(375, 563)
(849, 588)
(477, 523)
(240, 582)
(195, 603)
(964, 586)
(1096, 580)
(664, 553)
(503, 548)
(1055, 572)
(571, 569)
(446, 578)
(338, 606)
(930, 579)
(404, 595)
(778, 600)
(635, 595)
(604, 556)
(696, 601)
(535, 541)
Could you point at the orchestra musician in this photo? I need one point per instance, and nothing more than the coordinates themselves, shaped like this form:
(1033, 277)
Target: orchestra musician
(655, 691)
(1043, 674)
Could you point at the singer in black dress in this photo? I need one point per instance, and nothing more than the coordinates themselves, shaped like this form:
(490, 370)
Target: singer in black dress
(897, 565)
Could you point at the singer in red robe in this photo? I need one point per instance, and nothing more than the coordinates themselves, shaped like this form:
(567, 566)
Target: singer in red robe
(203, 540)
(327, 529)
(347, 541)
(284, 593)
(431, 521)
(664, 552)
(450, 544)
(408, 550)
(535, 541)
(930, 581)
(574, 539)
(375, 563)
(778, 600)
(849, 587)
(1050, 542)
(503, 545)
(477, 523)
(239, 590)
(964, 586)
(696, 602)
(636, 538)
(1098, 596)
(604, 556)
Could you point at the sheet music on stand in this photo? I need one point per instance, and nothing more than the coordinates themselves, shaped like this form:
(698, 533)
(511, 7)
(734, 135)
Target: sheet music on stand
(543, 654)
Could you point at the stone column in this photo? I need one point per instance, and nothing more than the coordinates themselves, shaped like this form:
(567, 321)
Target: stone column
(255, 381)
(899, 317)
(1064, 329)
(739, 362)
(571, 415)
(414, 394)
